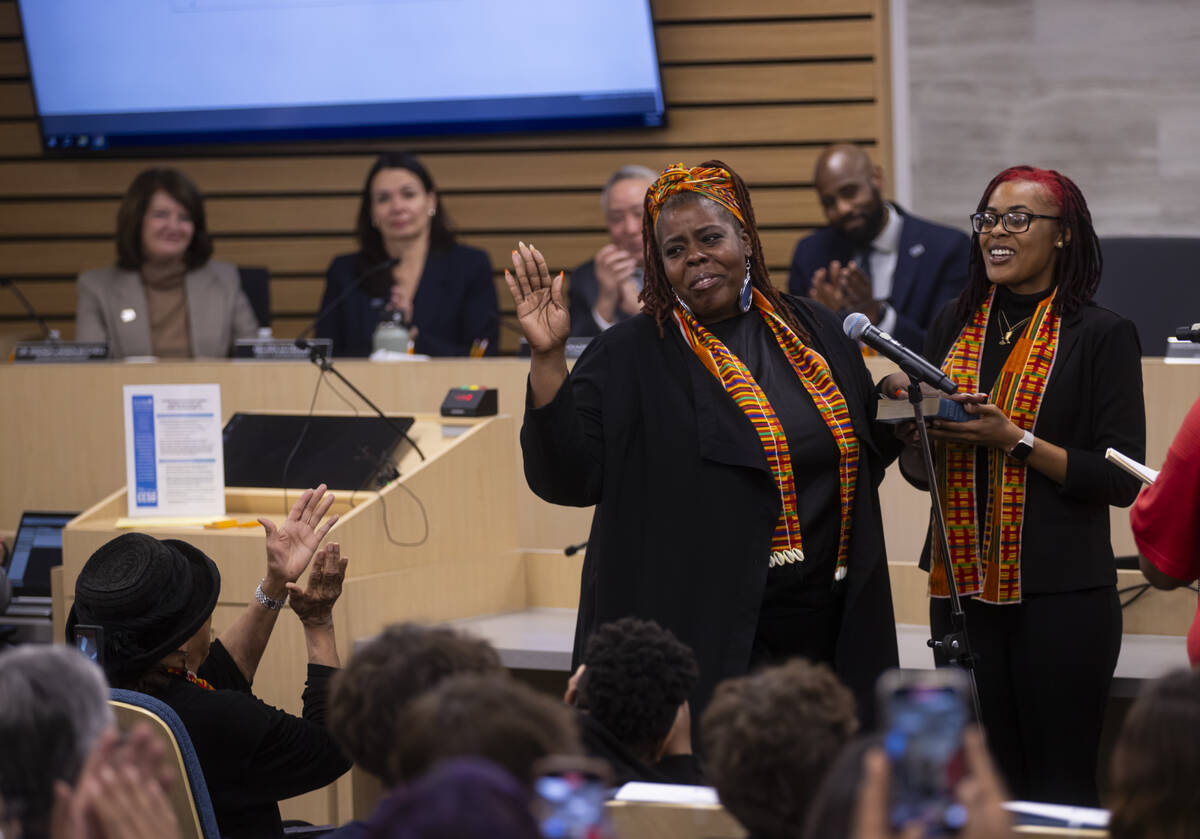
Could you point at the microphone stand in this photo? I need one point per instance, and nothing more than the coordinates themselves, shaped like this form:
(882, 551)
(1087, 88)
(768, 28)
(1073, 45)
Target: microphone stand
(316, 354)
(51, 334)
(955, 646)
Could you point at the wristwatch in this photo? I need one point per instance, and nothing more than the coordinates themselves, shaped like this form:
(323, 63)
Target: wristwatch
(1023, 447)
(267, 601)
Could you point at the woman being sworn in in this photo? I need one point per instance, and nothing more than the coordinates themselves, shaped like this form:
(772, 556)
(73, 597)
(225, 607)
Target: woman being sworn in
(726, 437)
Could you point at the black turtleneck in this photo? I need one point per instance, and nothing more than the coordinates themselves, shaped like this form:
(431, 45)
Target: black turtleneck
(1015, 308)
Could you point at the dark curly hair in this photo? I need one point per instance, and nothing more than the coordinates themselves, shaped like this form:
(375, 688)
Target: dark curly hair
(771, 737)
(637, 675)
(1077, 265)
(658, 298)
(132, 213)
(1156, 762)
(488, 716)
(405, 661)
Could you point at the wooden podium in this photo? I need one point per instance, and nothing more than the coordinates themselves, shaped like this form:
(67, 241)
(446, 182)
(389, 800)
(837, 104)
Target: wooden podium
(458, 558)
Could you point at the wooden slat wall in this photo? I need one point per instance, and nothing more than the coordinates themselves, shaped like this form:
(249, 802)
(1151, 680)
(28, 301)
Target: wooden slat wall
(762, 84)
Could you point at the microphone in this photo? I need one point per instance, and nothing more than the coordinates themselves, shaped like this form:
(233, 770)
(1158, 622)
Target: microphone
(51, 334)
(571, 550)
(859, 327)
(386, 265)
(1189, 333)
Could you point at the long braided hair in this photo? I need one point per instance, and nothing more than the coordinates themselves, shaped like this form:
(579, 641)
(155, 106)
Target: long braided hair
(658, 297)
(1077, 265)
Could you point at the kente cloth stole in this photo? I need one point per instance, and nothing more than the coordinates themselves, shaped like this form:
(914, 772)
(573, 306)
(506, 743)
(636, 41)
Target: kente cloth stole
(191, 677)
(990, 568)
(813, 372)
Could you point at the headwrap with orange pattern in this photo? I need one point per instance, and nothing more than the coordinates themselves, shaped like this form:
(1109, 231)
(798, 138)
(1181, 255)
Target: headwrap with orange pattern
(711, 182)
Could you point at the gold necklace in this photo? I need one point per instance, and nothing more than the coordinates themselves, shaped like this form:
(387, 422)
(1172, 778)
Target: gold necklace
(1010, 328)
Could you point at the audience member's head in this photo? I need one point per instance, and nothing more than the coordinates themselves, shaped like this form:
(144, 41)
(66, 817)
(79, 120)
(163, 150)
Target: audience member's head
(161, 220)
(405, 661)
(154, 600)
(849, 187)
(53, 708)
(1156, 762)
(637, 675)
(770, 738)
(623, 200)
(831, 811)
(488, 716)
(463, 798)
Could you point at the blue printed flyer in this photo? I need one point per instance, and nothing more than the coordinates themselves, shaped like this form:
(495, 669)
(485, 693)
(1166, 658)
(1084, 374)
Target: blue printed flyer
(174, 461)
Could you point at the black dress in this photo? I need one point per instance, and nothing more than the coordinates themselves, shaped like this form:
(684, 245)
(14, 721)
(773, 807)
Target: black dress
(1045, 664)
(686, 504)
(254, 755)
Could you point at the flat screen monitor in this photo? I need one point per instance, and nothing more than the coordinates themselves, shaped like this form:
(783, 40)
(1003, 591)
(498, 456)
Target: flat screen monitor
(124, 73)
(36, 549)
(296, 450)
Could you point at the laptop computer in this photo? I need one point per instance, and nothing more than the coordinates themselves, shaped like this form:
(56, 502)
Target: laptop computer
(36, 549)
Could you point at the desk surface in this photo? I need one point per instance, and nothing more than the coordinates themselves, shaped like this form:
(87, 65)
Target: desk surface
(542, 639)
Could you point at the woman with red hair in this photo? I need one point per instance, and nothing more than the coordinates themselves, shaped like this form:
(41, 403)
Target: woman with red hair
(1052, 380)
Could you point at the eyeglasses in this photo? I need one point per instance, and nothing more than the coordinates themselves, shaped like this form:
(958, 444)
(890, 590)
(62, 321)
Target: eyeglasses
(1013, 222)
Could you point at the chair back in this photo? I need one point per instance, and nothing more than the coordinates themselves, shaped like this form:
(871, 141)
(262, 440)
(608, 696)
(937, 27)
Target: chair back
(189, 794)
(1152, 281)
(256, 283)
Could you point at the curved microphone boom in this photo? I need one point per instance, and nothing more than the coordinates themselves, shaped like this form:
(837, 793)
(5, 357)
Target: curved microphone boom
(386, 265)
(859, 327)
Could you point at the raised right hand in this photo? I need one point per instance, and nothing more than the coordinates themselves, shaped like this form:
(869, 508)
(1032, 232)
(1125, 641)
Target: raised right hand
(541, 306)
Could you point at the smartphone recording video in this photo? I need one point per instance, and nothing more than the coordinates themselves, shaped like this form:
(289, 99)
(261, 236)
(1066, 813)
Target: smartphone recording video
(569, 798)
(925, 713)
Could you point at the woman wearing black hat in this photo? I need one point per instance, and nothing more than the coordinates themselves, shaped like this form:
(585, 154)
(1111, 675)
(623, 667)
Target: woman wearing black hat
(155, 601)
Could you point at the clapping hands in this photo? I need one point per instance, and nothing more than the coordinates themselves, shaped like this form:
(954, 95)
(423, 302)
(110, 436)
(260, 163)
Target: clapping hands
(291, 545)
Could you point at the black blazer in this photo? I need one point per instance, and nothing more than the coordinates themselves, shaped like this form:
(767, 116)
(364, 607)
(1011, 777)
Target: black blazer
(931, 268)
(454, 306)
(1092, 400)
(686, 504)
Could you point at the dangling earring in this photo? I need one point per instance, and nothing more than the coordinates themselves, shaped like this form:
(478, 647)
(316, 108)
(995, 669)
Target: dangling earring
(685, 306)
(747, 296)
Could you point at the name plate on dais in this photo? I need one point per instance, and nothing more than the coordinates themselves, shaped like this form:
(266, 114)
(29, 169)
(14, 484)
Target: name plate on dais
(279, 350)
(59, 352)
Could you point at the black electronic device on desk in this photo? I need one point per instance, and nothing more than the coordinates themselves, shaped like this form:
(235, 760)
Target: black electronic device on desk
(298, 450)
(470, 401)
(36, 549)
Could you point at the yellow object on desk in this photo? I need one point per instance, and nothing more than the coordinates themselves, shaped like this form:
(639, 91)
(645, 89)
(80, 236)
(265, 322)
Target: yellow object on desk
(207, 522)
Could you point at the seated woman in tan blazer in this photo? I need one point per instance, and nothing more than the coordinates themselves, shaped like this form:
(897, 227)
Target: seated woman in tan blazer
(164, 297)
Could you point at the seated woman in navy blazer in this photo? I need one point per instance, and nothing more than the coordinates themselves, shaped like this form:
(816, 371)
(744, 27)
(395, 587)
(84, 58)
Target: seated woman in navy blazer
(442, 291)
(165, 297)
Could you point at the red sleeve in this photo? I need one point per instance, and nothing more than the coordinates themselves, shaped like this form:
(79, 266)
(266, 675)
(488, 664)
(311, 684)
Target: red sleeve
(1166, 516)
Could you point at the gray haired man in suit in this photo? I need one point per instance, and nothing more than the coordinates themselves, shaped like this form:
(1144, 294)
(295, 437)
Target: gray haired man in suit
(605, 289)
